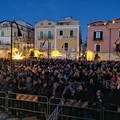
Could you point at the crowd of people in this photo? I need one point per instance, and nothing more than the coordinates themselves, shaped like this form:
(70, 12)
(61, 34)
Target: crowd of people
(97, 81)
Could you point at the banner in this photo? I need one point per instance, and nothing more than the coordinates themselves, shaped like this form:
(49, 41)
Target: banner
(25, 97)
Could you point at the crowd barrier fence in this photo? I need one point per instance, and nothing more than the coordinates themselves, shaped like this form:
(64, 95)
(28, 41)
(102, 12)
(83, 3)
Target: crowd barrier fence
(72, 109)
(55, 108)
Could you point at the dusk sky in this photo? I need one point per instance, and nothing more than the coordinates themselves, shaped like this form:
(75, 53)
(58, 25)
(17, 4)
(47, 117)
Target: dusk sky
(85, 11)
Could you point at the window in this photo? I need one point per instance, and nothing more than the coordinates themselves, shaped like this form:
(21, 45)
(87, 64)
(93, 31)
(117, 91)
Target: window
(18, 45)
(61, 23)
(49, 34)
(41, 34)
(97, 48)
(49, 45)
(66, 46)
(61, 33)
(41, 24)
(71, 33)
(98, 35)
(24, 47)
(2, 33)
(15, 44)
(28, 35)
(5, 25)
(49, 23)
(41, 45)
(14, 34)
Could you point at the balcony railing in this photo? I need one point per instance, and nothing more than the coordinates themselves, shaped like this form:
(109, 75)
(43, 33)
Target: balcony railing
(4, 43)
(66, 37)
(45, 37)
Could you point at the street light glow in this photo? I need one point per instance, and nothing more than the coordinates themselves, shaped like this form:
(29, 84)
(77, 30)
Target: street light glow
(18, 56)
(56, 53)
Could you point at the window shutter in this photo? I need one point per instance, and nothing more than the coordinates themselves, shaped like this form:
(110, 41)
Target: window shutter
(94, 36)
(101, 35)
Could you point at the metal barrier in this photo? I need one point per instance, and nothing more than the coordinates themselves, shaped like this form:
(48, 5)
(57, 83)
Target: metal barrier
(55, 113)
(22, 104)
(53, 103)
(3, 99)
(111, 115)
(72, 109)
(111, 112)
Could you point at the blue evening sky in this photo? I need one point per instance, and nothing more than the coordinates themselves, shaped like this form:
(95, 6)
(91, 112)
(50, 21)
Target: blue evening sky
(84, 10)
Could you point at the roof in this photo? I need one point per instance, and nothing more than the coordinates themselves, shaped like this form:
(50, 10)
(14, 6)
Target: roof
(4, 21)
(43, 20)
(17, 23)
(98, 21)
(115, 19)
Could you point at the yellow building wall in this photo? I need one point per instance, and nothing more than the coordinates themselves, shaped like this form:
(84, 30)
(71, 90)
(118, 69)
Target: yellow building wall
(71, 43)
(66, 32)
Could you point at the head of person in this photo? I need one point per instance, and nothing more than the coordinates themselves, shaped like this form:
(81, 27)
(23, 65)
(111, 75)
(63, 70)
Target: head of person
(80, 87)
(98, 92)
(113, 86)
(91, 81)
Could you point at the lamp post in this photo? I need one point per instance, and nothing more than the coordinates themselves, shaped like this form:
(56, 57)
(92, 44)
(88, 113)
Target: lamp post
(65, 46)
(110, 44)
(46, 39)
(66, 53)
(48, 48)
(19, 34)
(110, 32)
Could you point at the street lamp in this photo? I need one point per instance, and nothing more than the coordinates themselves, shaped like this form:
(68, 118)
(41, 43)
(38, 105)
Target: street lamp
(19, 34)
(66, 53)
(65, 46)
(47, 38)
(48, 49)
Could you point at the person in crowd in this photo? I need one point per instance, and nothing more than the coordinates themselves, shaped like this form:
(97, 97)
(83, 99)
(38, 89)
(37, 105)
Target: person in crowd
(98, 99)
(44, 90)
(114, 95)
(70, 79)
(91, 88)
(80, 94)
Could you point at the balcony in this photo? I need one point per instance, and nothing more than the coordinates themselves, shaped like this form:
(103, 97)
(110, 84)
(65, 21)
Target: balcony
(45, 37)
(66, 37)
(4, 43)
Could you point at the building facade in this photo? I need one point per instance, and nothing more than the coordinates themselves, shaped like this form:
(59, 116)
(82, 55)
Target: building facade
(45, 36)
(67, 37)
(62, 36)
(22, 44)
(103, 40)
(26, 42)
(5, 38)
